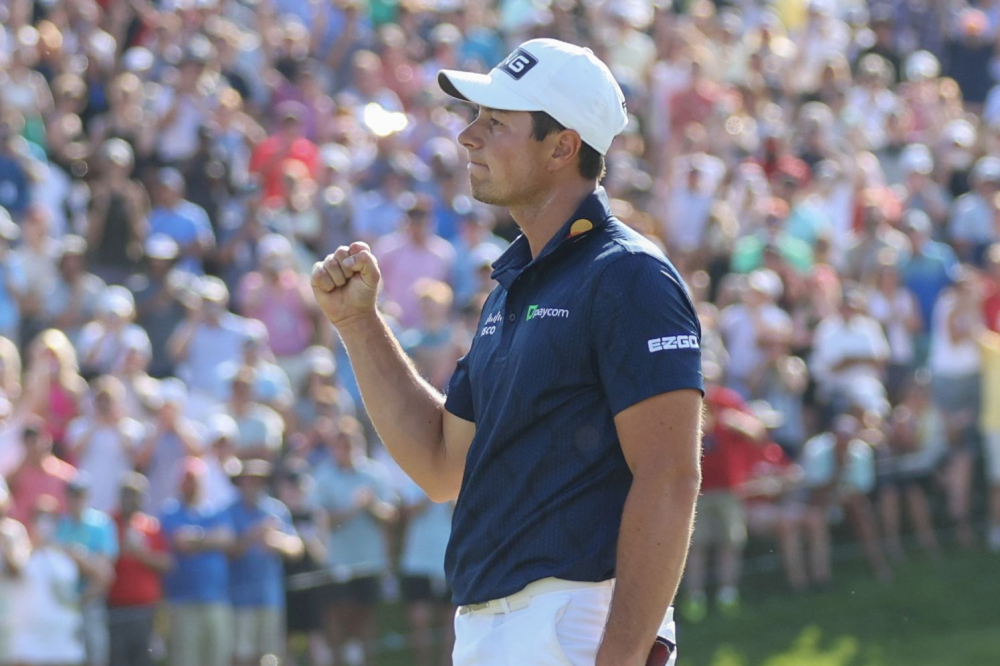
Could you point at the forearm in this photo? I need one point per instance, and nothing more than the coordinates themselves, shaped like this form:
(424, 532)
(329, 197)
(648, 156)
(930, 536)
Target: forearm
(406, 411)
(652, 548)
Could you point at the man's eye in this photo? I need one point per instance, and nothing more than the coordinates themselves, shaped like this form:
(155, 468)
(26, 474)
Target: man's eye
(495, 123)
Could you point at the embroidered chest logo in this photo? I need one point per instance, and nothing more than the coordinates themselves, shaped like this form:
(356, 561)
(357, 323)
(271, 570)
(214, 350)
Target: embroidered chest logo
(490, 327)
(536, 312)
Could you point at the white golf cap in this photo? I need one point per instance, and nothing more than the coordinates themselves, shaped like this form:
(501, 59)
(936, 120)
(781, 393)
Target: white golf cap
(565, 81)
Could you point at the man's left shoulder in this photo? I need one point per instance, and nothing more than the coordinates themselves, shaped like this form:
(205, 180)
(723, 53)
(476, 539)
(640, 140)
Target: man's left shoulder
(622, 255)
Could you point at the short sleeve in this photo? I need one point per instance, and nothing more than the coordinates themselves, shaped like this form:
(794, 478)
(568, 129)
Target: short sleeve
(644, 330)
(109, 540)
(459, 400)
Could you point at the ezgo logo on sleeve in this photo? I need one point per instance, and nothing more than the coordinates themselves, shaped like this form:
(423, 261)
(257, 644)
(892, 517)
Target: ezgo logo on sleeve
(673, 342)
(535, 312)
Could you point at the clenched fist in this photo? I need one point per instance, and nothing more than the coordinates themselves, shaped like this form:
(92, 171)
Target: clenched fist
(345, 284)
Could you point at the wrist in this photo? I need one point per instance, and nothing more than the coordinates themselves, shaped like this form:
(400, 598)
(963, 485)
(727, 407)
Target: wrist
(358, 325)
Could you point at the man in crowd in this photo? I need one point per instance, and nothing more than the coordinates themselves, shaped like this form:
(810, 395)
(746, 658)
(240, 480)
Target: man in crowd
(143, 558)
(264, 537)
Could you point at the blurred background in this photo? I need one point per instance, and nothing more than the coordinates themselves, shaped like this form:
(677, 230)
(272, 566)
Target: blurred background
(188, 473)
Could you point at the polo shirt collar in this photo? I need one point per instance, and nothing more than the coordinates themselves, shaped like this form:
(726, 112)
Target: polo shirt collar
(592, 213)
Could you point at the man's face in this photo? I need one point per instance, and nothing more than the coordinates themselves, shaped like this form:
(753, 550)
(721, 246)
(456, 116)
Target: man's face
(506, 163)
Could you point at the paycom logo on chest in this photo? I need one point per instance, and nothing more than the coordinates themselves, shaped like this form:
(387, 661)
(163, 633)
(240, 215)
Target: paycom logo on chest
(538, 312)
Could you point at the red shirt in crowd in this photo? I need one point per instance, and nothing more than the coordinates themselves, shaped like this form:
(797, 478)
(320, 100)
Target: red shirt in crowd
(270, 157)
(135, 583)
(728, 456)
(991, 305)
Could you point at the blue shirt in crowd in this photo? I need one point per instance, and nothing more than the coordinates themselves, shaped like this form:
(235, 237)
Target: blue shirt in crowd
(257, 578)
(185, 223)
(597, 322)
(201, 577)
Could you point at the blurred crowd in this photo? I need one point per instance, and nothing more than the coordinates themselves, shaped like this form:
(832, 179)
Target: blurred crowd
(186, 468)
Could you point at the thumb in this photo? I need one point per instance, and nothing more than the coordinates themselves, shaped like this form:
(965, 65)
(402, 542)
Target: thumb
(364, 264)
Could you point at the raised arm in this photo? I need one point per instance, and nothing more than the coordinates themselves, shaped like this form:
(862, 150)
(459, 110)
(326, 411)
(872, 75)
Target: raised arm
(427, 441)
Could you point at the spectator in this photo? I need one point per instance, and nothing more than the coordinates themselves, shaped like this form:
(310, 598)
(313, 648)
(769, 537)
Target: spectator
(157, 295)
(849, 348)
(143, 558)
(929, 268)
(271, 386)
(972, 226)
(303, 603)
(355, 502)
(731, 435)
(917, 442)
(208, 338)
(105, 444)
(434, 346)
(264, 538)
(954, 363)
(196, 589)
(839, 470)
(270, 158)
(15, 550)
(76, 295)
(89, 537)
(748, 255)
(119, 206)
(48, 625)
(103, 342)
(170, 439)
(896, 309)
(221, 435)
(185, 222)
(36, 258)
(759, 314)
(13, 281)
(40, 474)
(411, 254)
(876, 235)
(260, 428)
(15, 183)
(279, 296)
(990, 426)
(424, 588)
(776, 507)
(184, 106)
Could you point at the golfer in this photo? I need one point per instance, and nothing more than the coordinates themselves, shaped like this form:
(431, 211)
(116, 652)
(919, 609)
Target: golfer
(570, 432)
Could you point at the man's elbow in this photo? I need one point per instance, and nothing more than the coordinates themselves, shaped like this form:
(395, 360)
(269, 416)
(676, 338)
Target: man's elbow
(442, 492)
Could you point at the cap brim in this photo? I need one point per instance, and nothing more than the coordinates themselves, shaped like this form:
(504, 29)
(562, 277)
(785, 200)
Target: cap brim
(484, 90)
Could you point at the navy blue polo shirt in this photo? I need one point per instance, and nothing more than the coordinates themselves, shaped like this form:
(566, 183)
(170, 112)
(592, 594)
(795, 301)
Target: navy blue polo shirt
(599, 321)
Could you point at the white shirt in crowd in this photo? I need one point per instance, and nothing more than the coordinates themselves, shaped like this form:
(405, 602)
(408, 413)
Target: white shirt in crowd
(107, 458)
(837, 340)
(946, 356)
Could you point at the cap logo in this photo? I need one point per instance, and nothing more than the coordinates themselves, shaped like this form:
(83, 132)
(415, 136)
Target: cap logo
(518, 63)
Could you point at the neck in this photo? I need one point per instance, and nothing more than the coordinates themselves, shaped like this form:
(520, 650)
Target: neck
(542, 218)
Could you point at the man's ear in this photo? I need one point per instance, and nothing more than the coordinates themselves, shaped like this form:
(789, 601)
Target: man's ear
(565, 149)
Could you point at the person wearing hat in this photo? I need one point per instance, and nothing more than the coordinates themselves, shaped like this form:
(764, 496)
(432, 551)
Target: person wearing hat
(136, 591)
(922, 192)
(75, 298)
(102, 343)
(413, 253)
(104, 441)
(972, 227)
(209, 337)
(185, 222)
(196, 589)
(265, 538)
(157, 295)
(91, 539)
(277, 295)
(750, 325)
(591, 534)
(170, 438)
(929, 267)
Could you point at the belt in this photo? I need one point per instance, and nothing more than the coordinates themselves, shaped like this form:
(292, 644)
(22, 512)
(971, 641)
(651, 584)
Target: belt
(521, 599)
